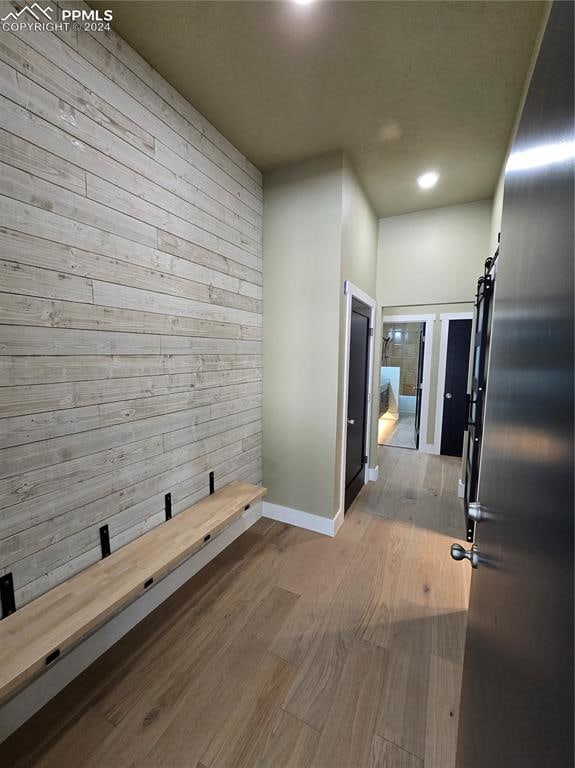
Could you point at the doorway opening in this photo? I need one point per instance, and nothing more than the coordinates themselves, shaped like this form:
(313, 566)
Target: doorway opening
(403, 396)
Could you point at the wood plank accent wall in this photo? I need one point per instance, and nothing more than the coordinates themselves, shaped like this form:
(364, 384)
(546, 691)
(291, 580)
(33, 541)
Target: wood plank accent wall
(130, 304)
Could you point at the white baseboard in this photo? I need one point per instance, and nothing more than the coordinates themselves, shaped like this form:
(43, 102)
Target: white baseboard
(373, 473)
(329, 526)
(28, 701)
(461, 488)
(428, 448)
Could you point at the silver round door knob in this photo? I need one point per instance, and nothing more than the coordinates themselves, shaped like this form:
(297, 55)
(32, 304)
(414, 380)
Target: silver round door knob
(351, 421)
(448, 395)
(475, 511)
(460, 553)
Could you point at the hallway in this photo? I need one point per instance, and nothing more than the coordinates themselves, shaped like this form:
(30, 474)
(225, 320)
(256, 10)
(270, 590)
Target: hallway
(289, 649)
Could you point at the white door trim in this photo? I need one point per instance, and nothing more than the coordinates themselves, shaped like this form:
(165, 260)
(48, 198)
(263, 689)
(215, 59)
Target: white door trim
(351, 291)
(424, 446)
(408, 318)
(446, 318)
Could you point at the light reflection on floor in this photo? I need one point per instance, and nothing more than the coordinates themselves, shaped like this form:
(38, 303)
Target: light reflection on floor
(398, 433)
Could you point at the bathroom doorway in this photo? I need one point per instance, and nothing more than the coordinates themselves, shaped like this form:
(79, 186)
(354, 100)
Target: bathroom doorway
(402, 374)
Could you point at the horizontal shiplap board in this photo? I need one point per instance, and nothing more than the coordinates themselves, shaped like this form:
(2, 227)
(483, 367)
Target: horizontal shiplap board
(28, 157)
(22, 488)
(34, 525)
(66, 58)
(130, 303)
(184, 249)
(33, 311)
(16, 340)
(44, 453)
(39, 193)
(168, 273)
(49, 133)
(24, 370)
(17, 54)
(24, 280)
(124, 297)
(129, 513)
(75, 126)
(42, 398)
(38, 222)
(140, 67)
(45, 255)
(175, 215)
(248, 472)
(192, 143)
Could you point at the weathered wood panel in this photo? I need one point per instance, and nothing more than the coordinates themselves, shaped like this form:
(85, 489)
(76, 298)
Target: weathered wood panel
(130, 303)
(100, 83)
(51, 370)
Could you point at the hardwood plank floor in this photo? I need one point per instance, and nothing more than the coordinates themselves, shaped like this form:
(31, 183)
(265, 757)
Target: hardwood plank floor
(290, 650)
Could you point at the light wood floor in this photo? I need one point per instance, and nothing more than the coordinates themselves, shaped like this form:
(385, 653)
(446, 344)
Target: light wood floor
(399, 433)
(290, 649)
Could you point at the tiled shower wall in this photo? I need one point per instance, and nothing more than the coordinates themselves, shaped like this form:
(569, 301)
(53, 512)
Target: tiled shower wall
(403, 351)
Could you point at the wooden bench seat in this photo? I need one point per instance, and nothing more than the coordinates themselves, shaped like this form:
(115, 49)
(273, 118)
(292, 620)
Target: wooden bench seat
(40, 632)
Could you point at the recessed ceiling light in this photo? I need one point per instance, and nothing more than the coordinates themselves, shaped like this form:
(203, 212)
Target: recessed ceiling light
(303, 2)
(428, 180)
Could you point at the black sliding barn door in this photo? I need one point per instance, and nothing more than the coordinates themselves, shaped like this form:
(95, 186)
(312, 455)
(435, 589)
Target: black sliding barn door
(517, 691)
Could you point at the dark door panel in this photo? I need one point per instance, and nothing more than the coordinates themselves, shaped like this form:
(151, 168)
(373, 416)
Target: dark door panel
(479, 368)
(419, 383)
(357, 401)
(455, 395)
(517, 693)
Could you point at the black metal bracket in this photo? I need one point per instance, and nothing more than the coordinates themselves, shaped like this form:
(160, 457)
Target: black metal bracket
(168, 506)
(212, 483)
(7, 595)
(105, 541)
(52, 656)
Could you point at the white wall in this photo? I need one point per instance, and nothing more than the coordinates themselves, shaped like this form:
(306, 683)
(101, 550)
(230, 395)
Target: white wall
(319, 230)
(432, 257)
(302, 275)
(428, 263)
(359, 266)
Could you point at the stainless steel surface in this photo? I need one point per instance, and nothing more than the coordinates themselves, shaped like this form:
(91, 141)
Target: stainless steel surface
(475, 511)
(517, 693)
(460, 553)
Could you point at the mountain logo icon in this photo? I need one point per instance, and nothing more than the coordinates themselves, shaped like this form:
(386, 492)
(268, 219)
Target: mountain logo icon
(35, 10)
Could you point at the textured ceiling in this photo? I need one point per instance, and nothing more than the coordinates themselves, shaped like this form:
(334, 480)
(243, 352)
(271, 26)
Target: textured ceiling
(403, 87)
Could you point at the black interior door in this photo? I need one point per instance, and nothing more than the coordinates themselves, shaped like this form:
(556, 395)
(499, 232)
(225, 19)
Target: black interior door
(455, 394)
(357, 401)
(517, 691)
(419, 383)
